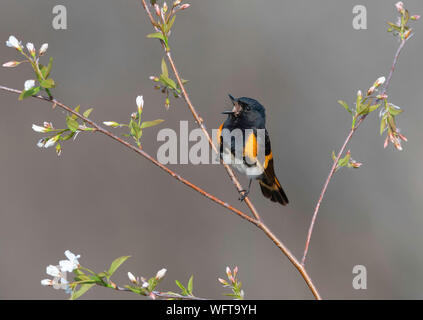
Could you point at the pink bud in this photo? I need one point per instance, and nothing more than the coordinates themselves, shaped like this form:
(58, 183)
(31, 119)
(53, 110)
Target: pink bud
(11, 64)
(185, 6)
(415, 17)
(400, 6)
(402, 137)
(228, 272)
(157, 9)
(235, 271)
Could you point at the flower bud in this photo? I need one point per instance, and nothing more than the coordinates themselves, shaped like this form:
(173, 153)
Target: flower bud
(415, 17)
(371, 90)
(379, 82)
(157, 9)
(31, 48)
(140, 103)
(47, 282)
(160, 274)
(11, 64)
(165, 7)
(40, 129)
(132, 278)
(400, 6)
(228, 272)
(111, 124)
(43, 48)
(185, 6)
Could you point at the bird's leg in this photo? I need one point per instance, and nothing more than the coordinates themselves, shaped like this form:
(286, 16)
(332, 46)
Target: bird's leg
(244, 193)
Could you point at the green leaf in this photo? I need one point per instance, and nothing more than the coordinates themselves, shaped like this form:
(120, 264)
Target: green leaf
(382, 125)
(165, 71)
(45, 70)
(72, 124)
(102, 274)
(394, 111)
(168, 82)
(58, 149)
(147, 124)
(82, 289)
(345, 105)
(48, 83)
(156, 35)
(67, 136)
(344, 161)
(74, 116)
(116, 264)
(87, 112)
(190, 285)
(28, 93)
(374, 107)
(170, 24)
(181, 286)
(159, 35)
(134, 289)
(135, 129)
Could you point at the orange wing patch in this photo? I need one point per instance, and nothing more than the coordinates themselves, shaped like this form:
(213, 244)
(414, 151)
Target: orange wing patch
(250, 149)
(219, 133)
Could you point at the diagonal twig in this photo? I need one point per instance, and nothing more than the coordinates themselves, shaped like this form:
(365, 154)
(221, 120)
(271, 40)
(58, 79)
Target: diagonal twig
(341, 151)
(258, 222)
(140, 152)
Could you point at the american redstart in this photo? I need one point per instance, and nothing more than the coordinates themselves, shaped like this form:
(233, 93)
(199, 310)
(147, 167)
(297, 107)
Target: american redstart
(248, 115)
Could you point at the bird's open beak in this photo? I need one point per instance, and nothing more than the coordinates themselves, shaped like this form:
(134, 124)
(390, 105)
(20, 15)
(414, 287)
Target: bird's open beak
(237, 108)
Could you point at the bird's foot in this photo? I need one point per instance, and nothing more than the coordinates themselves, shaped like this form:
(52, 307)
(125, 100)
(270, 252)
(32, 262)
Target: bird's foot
(244, 194)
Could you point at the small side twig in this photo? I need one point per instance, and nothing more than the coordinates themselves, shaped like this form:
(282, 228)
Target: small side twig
(341, 151)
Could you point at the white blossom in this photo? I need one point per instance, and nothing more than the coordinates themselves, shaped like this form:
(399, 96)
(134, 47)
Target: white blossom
(132, 277)
(41, 143)
(46, 282)
(161, 273)
(380, 81)
(39, 128)
(29, 84)
(71, 264)
(31, 48)
(43, 48)
(140, 103)
(13, 43)
(11, 64)
(53, 271)
(51, 142)
(111, 124)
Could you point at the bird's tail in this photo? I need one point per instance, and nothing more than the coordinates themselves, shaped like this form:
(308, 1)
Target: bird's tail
(274, 192)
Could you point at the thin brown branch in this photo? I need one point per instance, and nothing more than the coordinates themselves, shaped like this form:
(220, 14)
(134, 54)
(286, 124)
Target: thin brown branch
(341, 151)
(197, 117)
(140, 152)
(165, 295)
(258, 222)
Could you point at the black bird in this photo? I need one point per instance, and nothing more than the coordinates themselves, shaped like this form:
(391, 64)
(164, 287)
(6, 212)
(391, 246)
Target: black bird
(248, 115)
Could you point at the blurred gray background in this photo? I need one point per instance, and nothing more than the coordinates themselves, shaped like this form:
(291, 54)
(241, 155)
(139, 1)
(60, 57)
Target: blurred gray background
(102, 201)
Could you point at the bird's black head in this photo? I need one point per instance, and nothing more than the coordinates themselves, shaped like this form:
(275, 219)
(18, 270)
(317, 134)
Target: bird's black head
(248, 110)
